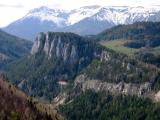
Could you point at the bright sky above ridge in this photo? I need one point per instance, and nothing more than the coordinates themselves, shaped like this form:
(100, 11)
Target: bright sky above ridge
(11, 10)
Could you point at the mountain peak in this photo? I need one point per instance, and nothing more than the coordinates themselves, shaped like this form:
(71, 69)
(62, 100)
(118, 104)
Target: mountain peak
(45, 11)
(91, 7)
(84, 20)
(40, 9)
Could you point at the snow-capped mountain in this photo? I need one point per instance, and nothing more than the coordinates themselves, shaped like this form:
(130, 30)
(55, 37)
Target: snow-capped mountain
(125, 15)
(85, 20)
(82, 13)
(46, 14)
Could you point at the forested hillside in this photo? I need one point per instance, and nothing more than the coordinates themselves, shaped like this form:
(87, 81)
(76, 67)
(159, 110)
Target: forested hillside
(12, 47)
(102, 106)
(141, 33)
(54, 57)
(16, 105)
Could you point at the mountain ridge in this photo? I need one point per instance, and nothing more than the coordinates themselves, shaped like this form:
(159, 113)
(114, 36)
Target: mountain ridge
(12, 48)
(58, 20)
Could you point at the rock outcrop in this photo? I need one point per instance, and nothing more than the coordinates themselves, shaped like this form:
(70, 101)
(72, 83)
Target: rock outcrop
(3, 57)
(67, 47)
(157, 96)
(86, 83)
(38, 44)
(54, 57)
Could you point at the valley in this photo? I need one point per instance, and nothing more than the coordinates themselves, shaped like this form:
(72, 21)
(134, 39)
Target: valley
(82, 64)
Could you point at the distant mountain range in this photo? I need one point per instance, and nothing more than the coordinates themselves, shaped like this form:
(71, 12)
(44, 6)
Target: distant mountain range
(84, 21)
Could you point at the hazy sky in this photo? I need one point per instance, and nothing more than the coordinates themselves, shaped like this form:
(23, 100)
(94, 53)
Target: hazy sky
(11, 10)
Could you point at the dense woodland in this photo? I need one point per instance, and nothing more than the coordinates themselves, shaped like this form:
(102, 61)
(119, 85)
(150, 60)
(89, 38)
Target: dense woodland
(119, 69)
(102, 106)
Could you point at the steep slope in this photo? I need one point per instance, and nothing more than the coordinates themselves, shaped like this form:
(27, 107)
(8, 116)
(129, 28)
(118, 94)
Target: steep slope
(12, 47)
(97, 18)
(119, 74)
(103, 106)
(54, 57)
(16, 105)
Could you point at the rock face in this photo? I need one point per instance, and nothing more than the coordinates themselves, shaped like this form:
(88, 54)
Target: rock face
(116, 88)
(3, 57)
(67, 47)
(38, 44)
(54, 57)
(157, 96)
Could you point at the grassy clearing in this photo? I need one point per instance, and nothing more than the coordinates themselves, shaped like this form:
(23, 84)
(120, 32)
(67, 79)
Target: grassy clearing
(117, 45)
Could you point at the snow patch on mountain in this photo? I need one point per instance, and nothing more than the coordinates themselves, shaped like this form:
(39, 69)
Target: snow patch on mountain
(82, 13)
(47, 14)
(112, 14)
(125, 15)
(84, 21)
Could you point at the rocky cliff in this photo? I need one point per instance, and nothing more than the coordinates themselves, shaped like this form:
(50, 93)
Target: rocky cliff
(67, 47)
(86, 83)
(54, 57)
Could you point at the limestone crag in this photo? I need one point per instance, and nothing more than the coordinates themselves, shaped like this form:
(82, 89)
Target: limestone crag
(116, 88)
(38, 44)
(69, 48)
